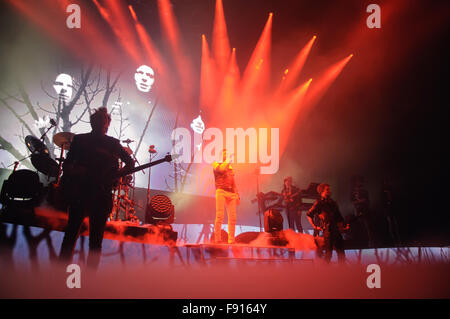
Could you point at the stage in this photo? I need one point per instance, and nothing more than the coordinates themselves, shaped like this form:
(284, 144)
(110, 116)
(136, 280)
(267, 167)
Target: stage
(129, 269)
(184, 244)
(138, 261)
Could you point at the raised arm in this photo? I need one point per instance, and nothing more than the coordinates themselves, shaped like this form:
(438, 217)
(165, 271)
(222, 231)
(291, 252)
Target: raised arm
(125, 157)
(221, 166)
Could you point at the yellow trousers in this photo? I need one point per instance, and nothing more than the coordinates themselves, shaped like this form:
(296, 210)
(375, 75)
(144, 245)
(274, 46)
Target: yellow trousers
(228, 200)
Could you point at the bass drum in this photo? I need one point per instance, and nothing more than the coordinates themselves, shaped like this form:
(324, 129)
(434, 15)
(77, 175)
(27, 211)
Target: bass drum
(22, 189)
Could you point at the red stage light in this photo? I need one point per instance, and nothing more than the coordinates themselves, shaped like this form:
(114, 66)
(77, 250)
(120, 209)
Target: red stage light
(133, 13)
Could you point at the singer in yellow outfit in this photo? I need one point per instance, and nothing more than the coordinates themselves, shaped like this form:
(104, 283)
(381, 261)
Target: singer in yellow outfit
(227, 197)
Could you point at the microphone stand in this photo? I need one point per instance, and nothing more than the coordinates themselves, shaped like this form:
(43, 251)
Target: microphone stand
(45, 133)
(258, 198)
(133, 184)
(16, 163)
(151, 151)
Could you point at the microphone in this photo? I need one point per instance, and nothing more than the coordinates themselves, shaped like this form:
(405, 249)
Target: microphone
(53, 123)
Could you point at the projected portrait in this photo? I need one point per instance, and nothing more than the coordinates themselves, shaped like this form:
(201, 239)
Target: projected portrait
(197, 125)
(63, 87)
(144, 77)
(116, 109)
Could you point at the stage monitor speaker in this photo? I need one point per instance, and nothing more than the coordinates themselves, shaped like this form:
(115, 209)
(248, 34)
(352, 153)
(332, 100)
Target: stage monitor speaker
(273, 221)
(22, 189)
(160, 211)
(247, 237)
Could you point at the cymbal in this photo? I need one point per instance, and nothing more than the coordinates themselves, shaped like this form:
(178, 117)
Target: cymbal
(63, 138)
(128, 150)
(35, 145)
(44, 164)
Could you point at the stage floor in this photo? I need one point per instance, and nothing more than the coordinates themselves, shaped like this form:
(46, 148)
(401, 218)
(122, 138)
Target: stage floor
(38, 234)
(181, 270)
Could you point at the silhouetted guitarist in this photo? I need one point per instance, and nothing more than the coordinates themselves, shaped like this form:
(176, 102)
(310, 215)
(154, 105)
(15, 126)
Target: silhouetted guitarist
(292, 200)
(326, 217)
(87, 184)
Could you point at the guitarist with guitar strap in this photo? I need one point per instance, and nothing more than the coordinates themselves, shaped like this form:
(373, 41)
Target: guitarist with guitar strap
(291, 195)
(326, 217)
(87, 184)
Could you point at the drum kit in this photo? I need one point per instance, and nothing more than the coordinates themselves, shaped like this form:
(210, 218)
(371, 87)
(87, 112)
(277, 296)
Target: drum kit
(20, 180)
(124, 194)
(123, 208)
(40, 156)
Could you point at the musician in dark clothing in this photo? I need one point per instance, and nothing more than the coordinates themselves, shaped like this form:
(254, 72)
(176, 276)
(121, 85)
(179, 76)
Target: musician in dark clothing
(87, 184)
(387, 196)
(291, 195)
(325, 216)
(361, 203)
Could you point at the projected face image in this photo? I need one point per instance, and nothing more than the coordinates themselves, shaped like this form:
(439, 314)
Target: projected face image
(197, 125)
(115, 109)
(144, 77)
(63, 86)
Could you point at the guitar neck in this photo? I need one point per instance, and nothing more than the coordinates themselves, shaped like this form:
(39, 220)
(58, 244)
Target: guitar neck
(292, 195)
(141, 167)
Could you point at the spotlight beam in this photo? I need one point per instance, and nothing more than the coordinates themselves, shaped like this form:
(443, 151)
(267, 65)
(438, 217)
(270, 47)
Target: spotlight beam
(220, 42)
(258, 68)
(45, 14)
(183, 64)
(297, 65)
(207, 77)
(120, 31)
(322, 84)
(288, 115)
(153, 54)
(257, 72)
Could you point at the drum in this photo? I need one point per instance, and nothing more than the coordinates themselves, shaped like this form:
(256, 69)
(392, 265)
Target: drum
(35, 145)
(22, 188)
(40, 157)
(45, 164)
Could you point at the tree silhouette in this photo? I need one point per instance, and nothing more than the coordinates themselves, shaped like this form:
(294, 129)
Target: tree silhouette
(92, 83)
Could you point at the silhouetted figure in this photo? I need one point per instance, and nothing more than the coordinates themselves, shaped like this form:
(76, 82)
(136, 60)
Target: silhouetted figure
(388, 209)
(292, 199)
(325, 217)
(361, 203)
(87, 184)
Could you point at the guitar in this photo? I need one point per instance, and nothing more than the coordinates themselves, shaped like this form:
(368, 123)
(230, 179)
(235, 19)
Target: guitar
(289, 198)
(167, 158)
(343, 227)
(77, 185)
